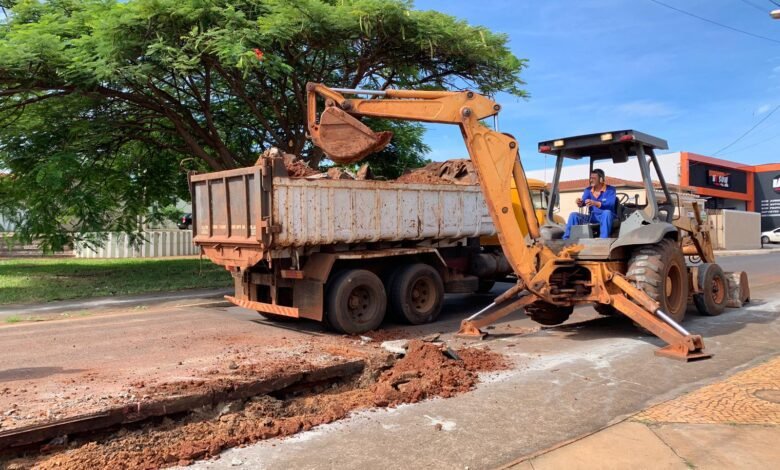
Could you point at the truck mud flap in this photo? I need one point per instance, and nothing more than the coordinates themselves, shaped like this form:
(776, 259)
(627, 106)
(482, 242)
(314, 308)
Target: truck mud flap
(291, 312)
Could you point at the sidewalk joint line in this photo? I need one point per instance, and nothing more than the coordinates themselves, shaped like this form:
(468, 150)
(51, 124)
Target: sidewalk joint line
(684, 460)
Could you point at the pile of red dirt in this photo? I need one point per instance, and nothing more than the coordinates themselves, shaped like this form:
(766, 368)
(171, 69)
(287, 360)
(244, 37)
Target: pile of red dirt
(427, 370)
(457, 171)
(299, 169)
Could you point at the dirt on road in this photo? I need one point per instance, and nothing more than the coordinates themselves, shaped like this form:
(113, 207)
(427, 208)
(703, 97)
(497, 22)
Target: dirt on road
(38, 395)
(456, 171)
(427, 370)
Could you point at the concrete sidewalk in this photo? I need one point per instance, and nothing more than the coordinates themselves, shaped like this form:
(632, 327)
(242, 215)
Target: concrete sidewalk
(110, 302)
(758, 251)
(730, 424)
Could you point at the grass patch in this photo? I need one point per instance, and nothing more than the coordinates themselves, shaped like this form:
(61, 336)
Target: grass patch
(41, 318)
(45, 280)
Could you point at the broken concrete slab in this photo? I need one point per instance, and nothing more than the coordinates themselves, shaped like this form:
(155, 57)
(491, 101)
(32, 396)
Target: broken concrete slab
(398, 346)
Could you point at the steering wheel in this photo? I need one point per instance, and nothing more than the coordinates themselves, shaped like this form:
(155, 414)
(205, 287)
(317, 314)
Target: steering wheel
(623, 198)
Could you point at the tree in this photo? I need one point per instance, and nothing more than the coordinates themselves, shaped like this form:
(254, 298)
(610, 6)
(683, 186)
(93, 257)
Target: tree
(103, 100)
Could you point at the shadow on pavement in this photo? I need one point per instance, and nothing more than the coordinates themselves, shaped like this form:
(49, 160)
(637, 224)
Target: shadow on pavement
(579, 328)
(27, 373)
(730, 321)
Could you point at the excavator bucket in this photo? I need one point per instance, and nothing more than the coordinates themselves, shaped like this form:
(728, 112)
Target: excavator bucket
(345, 139)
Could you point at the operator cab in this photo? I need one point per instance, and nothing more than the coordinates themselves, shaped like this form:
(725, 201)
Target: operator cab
(634, 223)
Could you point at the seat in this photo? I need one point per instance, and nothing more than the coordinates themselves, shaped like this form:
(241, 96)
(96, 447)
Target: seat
(595, 229)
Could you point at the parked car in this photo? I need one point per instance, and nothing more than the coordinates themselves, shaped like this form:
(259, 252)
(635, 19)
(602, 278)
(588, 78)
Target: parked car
(771, 236)
(186, 222)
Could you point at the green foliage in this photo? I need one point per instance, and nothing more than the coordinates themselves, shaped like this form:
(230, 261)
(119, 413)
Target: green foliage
(405, 151)
(46, 280)
(100, 101)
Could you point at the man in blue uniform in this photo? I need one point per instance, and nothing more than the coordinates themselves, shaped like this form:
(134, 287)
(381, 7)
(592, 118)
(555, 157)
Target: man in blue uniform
(600, 199)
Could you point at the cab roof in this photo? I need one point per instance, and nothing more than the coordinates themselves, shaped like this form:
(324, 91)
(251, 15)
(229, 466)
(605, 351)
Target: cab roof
(615, 145)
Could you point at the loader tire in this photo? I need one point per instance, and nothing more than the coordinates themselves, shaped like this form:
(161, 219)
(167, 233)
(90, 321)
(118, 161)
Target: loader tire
(548, 314)
(416, 293)
(606, 310)
(355, 301)
(660, 271)
(714, 290)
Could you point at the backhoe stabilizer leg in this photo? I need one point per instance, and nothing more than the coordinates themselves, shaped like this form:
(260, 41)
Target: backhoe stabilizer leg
(470, 327)
(682, 346)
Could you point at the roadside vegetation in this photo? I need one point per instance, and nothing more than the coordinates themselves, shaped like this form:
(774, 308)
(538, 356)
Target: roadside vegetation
(44, 280)
(106, 105)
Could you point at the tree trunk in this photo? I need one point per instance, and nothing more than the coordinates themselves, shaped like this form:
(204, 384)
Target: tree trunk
(315, 157)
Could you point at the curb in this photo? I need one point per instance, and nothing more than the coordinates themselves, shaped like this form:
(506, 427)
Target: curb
(104, 302)
(760, 251)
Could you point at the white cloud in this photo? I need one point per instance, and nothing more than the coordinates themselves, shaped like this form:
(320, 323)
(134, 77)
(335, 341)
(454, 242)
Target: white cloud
(762, 109)
(646, 109)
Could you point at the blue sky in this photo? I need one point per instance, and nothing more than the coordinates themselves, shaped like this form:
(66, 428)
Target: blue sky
(598, 65)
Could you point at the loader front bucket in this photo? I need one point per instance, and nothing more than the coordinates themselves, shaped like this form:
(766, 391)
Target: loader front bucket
(345, 139)
(738, 289)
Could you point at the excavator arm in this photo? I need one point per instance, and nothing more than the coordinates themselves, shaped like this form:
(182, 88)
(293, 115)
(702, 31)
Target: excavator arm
(495, 155)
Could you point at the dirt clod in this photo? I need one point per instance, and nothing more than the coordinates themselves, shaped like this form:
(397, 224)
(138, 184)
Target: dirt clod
(456, 171)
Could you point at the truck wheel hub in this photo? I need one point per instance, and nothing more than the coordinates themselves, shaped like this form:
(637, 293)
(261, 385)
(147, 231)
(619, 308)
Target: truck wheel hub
(421, 294)
(358, 302)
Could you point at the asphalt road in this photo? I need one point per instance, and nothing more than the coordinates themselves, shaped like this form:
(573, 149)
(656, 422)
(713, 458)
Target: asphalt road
(567, 382)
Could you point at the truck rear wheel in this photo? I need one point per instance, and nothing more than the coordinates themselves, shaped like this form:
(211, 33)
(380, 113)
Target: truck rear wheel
(416, 293)
(356, 301)
(714, 290)
(660, 271)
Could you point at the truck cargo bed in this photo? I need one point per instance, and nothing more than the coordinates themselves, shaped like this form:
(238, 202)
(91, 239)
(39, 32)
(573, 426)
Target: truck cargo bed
(247, 207)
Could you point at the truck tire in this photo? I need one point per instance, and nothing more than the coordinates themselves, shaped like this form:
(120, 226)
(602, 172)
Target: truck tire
(355, 301)
(548, 314)
(416, 293)
(660, 271)
(714, 290)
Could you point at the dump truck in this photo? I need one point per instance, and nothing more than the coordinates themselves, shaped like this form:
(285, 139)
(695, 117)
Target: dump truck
(293, 244)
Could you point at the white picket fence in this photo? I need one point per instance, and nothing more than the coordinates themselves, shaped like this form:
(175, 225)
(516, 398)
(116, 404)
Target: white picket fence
(158, 243)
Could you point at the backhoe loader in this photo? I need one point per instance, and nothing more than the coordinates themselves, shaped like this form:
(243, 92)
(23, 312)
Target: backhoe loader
(638, 271)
